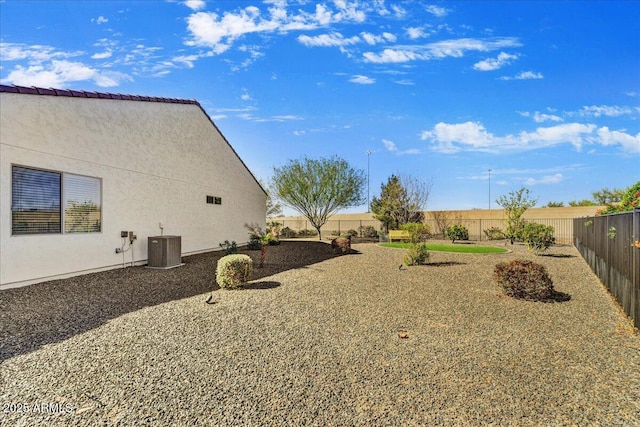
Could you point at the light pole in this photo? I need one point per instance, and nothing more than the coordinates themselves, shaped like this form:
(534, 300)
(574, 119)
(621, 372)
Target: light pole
(368, 169)
(489, 189)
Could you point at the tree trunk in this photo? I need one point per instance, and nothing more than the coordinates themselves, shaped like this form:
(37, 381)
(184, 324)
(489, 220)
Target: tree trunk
(319, 233)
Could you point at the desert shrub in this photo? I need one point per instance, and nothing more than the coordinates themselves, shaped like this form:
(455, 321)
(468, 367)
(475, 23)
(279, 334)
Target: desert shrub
(417, 254)
(234, 270)
(538, 237)
(255, 243)
(457, 232)
(524, 279)
(274, 228)
(494, 233)
(272, 240)
(418, 231)
(352, 233)
(307, 233)
(287, 233)
(229, 248)
(368, 231)
(341, 245)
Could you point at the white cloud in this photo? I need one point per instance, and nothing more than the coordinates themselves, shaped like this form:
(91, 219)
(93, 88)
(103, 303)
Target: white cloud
(548, 179)
(59, 73)
(393, 56)
(404, 82)
(415, 33)
(604, 110)
(186, 60)
(393, 148)
(440, 12)
(100, 20)
(629, 143)
(245, 95)
(491, 64)
(328, 40)
(33, 54)
(390, 145)
(195, 4)
(473, 136)
(220, 32)
(455, 48)
(525, 75)
(103, 55)
(539, 117)
(363, 80)
(373, 39)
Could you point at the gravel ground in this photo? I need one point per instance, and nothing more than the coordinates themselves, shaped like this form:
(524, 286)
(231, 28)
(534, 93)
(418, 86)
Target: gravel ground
(315, 339)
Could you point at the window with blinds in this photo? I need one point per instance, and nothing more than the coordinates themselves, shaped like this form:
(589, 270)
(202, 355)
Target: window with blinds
(41, 201)
(82, 204)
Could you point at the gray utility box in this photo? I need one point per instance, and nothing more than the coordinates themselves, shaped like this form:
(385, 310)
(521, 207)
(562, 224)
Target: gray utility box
(165, 251)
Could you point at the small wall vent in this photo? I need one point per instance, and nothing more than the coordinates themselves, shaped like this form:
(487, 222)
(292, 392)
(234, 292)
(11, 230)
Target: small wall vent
(164, 252)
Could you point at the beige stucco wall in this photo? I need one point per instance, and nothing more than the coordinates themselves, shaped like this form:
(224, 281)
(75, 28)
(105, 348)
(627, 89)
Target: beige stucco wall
(533, 213)
(157, 161)
(476, 220)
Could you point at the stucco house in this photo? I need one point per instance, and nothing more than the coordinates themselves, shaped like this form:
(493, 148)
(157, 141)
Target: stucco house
(83, 173)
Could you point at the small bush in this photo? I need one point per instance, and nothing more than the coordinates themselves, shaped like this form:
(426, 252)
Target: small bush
(538, 237)
(417, 254)
(229, 248)
(352, 233)
(287, 233)
(418, 231)
(255, 243)
(494, 233)
(341, 245)
(524, 279)
(274, 228)
(307, 233)
(457, 232)
(234, 270)
(368, 231)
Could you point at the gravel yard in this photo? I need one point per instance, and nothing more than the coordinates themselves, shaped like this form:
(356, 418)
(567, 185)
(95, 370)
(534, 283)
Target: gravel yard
(314, 339)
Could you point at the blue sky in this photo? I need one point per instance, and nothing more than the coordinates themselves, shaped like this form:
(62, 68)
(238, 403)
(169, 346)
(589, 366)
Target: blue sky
(545, 94)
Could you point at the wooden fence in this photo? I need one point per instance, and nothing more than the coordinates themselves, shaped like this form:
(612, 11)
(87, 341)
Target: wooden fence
(610, 245)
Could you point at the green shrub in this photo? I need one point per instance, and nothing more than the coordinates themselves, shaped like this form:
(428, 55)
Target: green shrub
(538, 237)
(229, 248)
(418, 231)
(494, 233)
(524, 279)
(417, 254)
(368, 231)
(457, 232)
(234, 270)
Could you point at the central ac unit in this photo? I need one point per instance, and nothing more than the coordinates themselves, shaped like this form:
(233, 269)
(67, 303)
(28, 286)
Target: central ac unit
(164, 251)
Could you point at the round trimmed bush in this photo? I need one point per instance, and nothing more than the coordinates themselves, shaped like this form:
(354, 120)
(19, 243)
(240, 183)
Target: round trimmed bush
(457, 232)
(524, 279)
(234, 270)
(538, 237)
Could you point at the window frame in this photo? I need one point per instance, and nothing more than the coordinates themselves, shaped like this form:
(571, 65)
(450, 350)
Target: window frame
(62, 202)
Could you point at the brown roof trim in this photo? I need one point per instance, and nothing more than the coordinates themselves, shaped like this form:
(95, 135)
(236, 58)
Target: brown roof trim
(85, 94)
